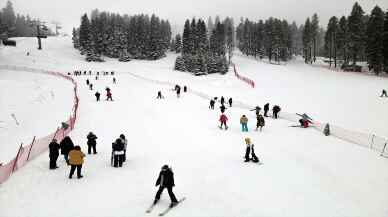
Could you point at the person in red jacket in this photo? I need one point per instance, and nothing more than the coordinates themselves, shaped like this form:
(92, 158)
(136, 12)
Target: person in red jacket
(223, 120)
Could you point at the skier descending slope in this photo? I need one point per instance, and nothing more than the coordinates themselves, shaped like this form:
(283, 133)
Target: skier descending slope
(166, 180)
(108, 94)
(266, 109)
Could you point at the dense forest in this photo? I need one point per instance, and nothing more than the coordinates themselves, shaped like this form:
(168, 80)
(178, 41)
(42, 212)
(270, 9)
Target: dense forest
(123, 37)
(17, 25)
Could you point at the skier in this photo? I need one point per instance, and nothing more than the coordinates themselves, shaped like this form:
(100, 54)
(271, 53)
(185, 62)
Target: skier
(160, 96)
(118, 153)
(257, 110)
(54, 153)
(66, 146)
(96, 77)
(76, 159)
(184, 89)
(250, 150)
(91, 86)
(230, 101)
(166, 180)
(266, 109)
(260, 122)
(275, 110)
(222, 100)
(91, 143)
(112, 73)
(87, 82)
(125, 142)
(222, 108)
(178, 91)
(384, 93)
(114, 80)
(97, 96)
(223, 120)
(90, 72)
(98, 73)
(326, 130)
(244, 123)
(108, 94)
(304, 122)
(212, 102)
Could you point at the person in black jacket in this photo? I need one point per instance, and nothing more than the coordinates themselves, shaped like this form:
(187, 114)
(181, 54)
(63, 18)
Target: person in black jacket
(97, 96)
(54, 154)
(118, 153)
(212, 102)
(166, 180)
(91, 143)
(66, 146)
(266, 109)
(230, 102)
(222, 108)
(222, 100)
(276, 109)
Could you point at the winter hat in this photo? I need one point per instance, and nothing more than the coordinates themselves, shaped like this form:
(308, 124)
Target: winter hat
(248, 141)
(165, 167)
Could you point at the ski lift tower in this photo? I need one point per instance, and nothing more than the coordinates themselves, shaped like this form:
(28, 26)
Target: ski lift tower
(57, 27)
(40, 29)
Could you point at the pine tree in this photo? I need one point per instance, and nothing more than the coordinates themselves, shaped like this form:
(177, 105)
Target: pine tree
(180, 64)
(75, 38)
(385, 42)
(125, 56)
(9, 18)
(307, 37)
(85, 33)
(186, 43)
(330, 39)
(356, 33)
(314, 34)
(374, 42)
(178, 43)
(342, 39)
(229, 27)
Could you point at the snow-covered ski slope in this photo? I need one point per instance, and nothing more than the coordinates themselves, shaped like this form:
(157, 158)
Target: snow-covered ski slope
(304, 173)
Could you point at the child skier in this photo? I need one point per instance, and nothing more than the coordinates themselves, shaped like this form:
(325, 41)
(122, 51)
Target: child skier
(108, 94)
(114, 80)
(384, 93)
(230, 102)
(222, 108)
(223, 120)
(212, 102)
(222, 100)
(160, 96)
(260, 122)
(166, 180)
(97, 96)
(91, 86)
(244, 123)
(87, 82)
(276, 109)
(250, 150)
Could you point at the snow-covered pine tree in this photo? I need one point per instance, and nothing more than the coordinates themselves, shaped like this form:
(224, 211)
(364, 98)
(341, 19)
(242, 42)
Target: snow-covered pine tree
(307, 41)
(374, 42)
(180, 64)
(85, 33)
(330, 40)
(186, 38)
(356, 33)
(178, 43)
(385, 42)
(342, 40)
(125, 56)
(75, 38)
(314, 35)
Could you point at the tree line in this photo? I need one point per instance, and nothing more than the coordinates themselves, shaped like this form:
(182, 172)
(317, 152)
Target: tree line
(358, 37)
(17, 25)
(122, 36)
(205, 48)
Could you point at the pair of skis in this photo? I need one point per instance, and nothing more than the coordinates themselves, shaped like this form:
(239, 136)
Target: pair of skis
(166, 210)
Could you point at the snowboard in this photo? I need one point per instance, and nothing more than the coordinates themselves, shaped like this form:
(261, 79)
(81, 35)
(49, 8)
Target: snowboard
(170, 208)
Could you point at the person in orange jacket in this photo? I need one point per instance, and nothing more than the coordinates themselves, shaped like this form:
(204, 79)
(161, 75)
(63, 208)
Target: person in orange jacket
(76, 159)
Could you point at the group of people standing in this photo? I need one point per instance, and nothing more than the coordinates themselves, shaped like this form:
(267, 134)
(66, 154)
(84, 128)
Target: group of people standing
(86, 72)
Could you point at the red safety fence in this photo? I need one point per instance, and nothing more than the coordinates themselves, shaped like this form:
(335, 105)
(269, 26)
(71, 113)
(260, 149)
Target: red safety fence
(245, 79)
(39, 145)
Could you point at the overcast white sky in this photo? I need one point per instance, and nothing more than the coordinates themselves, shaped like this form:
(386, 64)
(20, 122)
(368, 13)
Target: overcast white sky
(68, 12)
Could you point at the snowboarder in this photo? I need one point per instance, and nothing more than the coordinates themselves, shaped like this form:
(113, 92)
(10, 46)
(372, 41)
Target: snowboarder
(384, 93)
(91, 86)
(257, 110)
(108, 94)
(223, 120)
(250, 150)
(54, 153)
(76, 159)
(222, 108)
(118, 153)
(114, 80)
(66, 146)
(266, 109)
(222, 100)
(244, 123)
(125, 142)
(91, 143)
(326, 130)
(166, 180)
(184, 89)
(160, 96)
(260, 122)
(230, 101)
(97, 96)
(275, 110)
(87, 82)
(212, 102)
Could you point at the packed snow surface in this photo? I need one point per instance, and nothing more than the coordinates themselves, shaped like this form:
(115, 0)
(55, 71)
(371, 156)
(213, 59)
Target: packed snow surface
(303, 173)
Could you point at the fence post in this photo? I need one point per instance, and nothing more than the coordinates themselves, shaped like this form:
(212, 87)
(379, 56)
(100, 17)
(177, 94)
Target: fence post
(29, 152)
(371, 144)
(17, 157)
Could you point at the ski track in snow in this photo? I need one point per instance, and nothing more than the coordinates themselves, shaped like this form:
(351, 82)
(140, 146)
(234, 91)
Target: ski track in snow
(304, 173)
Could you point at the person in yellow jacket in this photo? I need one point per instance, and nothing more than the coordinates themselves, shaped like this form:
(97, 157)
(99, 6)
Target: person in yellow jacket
(76, 159)
(244, 123)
